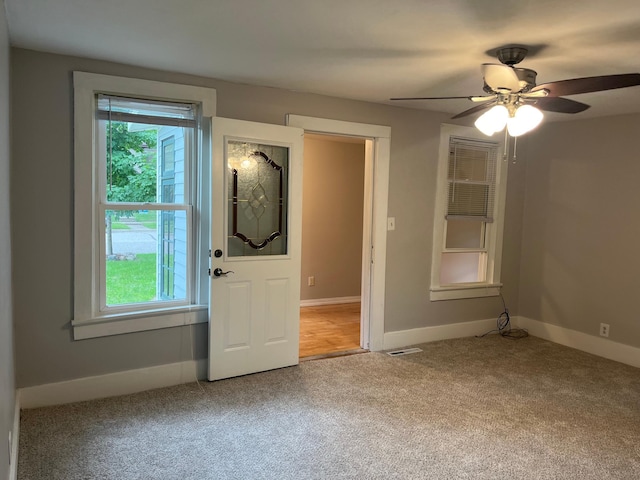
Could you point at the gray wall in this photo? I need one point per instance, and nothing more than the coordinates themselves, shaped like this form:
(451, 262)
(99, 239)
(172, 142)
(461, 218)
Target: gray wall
(579, 263)
(332, 209)
(7, 386)
(42, 164)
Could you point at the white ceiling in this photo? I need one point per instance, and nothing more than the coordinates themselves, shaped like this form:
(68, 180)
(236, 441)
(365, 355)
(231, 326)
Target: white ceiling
(360, 49)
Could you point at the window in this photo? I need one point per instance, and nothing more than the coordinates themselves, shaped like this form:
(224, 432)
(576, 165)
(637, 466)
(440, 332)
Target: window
(141, 204)
(469, 215)
(145, 160)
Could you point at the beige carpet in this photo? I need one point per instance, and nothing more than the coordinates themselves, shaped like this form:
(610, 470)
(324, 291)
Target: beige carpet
(490, 408)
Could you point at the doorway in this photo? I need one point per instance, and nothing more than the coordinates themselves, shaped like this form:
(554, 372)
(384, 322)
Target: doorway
(332, 233)
(374, 238)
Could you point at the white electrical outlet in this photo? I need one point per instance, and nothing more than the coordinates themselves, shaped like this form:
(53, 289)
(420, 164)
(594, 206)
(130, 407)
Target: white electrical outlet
(311, 281)
(604, 329)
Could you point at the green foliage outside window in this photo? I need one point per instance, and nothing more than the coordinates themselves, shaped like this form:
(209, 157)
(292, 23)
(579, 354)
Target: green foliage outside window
(131, 164)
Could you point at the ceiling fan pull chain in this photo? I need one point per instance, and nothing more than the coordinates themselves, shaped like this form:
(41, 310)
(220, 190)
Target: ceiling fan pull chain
(515, 147)
(505, 150)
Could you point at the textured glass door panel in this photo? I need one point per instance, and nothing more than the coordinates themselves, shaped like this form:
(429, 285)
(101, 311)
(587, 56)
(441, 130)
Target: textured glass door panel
(257, 199)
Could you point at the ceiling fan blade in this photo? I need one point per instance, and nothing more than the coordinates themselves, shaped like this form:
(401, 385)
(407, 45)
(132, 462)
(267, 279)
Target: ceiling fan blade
(560, 105)
(500, 77)
(433, 98)
(537, 94)
(575, 86)
(483, 98)
(476, 98)
(476, 109)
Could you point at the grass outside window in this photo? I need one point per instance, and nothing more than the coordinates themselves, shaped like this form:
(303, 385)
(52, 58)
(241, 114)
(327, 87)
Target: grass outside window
(131, 281)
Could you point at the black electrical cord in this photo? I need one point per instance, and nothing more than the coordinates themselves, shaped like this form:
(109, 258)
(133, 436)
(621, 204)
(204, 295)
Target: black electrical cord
(503, 327)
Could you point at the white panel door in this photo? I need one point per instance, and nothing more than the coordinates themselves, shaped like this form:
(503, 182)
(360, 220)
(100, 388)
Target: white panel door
(256, 218)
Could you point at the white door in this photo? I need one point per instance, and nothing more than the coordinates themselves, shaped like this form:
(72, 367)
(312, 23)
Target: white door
(256, 218)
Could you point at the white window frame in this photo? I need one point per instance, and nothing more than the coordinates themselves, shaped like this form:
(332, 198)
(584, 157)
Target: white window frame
(494, 230)
(89, 319)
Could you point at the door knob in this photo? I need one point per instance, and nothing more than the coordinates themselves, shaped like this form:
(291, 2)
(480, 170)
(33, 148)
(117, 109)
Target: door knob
(217, 272)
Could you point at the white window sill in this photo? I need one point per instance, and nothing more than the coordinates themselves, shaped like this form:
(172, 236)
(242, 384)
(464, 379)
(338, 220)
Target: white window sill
(139, 321)
(469, 290)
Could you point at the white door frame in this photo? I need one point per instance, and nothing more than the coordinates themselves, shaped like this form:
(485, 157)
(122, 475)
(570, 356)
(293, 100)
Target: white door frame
(376, 194)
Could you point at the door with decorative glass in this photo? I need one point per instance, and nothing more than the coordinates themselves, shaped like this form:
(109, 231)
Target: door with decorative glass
(255, 235)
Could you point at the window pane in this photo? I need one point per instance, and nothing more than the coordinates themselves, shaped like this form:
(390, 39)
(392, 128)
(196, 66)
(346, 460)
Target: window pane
(257, 186)
(472, 176)
(468, 199)
(141, 160)
(146, 256)
(469, 165)
(461, 267)
(465, 234)
(168, 154)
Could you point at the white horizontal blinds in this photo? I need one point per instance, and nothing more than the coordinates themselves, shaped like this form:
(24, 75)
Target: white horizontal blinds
(472, 179)
(122, 109)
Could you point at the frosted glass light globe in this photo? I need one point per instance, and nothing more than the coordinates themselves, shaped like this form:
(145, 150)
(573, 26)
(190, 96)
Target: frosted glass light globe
(493, 120)
(525, 119)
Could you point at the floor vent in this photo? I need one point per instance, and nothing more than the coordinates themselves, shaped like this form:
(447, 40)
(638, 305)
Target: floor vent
(404, 351)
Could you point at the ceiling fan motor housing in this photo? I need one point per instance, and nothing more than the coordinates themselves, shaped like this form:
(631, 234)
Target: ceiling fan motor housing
(526, 81)
(511, 55)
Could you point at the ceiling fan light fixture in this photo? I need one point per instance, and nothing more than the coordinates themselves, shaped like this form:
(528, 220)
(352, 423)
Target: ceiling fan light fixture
(493, 120)
(525, 119)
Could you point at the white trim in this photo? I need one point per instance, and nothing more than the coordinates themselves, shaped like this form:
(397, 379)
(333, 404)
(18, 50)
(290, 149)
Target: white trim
(415, 336)
(113, 384)
(465, 291)
(15, 436)
(339, 127)
(375, 244)
(96, 83)
(315, 302)
(600, 346)
(367, 231)
(118, 324)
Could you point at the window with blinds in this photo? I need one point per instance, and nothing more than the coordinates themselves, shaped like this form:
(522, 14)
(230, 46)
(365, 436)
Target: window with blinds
(122, 109)
(141, 204)
(471, 179)
(469, 215)
(146, 152)
(471, 191)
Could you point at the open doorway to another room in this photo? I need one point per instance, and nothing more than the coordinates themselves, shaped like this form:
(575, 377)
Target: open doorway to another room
(332, 232)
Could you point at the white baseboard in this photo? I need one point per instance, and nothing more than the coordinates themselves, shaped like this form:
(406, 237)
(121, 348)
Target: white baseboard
(113, 384)
(414, 336)
(600, 346)
(571, 338)
(15, 436)
(315, 302)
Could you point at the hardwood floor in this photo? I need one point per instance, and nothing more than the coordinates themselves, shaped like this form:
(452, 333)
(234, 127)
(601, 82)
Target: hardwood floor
(329, 329)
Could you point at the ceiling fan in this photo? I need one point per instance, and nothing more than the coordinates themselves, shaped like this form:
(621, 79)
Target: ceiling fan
(514, 100)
